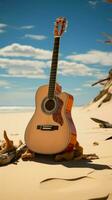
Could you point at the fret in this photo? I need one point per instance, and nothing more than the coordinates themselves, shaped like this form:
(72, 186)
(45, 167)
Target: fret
(53, 70)
(52, 81)
(55, 50)
(53, 73)
(52, 86)
(56, 43)
(55, 53)
(51, 91)
(52, 78)
(56, 46)
(54, 64)
(54, 59)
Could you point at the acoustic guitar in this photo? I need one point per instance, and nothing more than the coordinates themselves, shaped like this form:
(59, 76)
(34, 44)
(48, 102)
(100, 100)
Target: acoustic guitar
(51, 129)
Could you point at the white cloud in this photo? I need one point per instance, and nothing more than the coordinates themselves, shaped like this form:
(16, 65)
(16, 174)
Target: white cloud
(77, 89)
(3, 25)
(5, 62)
(2, 28)
(23, 68)
(14, 72)
(35, 37)
(75, 69)
(93, 57)
(27, 27)
(18, 50)
(93, 3)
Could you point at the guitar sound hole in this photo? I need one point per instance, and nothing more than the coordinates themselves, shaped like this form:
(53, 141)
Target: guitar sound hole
(50, 105)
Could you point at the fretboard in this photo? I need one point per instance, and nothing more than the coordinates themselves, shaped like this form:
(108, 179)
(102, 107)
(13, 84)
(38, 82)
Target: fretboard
(54, 65)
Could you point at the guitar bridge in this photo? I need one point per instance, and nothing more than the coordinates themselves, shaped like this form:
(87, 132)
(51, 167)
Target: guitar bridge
(47, 127)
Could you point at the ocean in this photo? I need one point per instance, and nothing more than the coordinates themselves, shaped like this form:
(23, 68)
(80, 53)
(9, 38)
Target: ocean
(7, 109)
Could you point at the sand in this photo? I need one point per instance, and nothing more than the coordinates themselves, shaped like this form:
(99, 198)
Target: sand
(73, 180)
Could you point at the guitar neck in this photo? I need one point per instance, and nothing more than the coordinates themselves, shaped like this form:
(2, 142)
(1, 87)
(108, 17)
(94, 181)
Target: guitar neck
(54, 66)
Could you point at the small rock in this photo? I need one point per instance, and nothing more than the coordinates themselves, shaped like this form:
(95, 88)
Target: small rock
(95, 143)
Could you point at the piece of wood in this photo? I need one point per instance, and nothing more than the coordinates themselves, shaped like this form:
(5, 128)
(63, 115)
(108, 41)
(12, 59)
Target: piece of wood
(100, 81)
(28, 155)
(7, 145)
(7, 158)
(109, 138)
(102, 124)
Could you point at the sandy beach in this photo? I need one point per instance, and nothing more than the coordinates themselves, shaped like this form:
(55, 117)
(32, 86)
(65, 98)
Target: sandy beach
(46, 179)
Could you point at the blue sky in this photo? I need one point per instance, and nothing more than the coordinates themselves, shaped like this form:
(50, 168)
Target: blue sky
(26, 43)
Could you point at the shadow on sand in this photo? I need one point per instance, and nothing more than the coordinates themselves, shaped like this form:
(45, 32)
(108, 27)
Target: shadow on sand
(49, 159)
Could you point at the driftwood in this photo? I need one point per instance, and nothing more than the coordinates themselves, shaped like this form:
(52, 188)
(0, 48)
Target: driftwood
(6, 145)
(105, 79)
(8, 157)
(102, 124)
(106, 92)
(28, 155)
(109, 138)
(100, 81)
(9, 152)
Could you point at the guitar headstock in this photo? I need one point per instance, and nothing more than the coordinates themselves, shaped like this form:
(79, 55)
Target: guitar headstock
(60, 26)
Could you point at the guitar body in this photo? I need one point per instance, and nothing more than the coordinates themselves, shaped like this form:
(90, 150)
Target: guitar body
(51, 129)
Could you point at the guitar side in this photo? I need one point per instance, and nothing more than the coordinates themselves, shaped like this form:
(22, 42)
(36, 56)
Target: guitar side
(51, 141)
